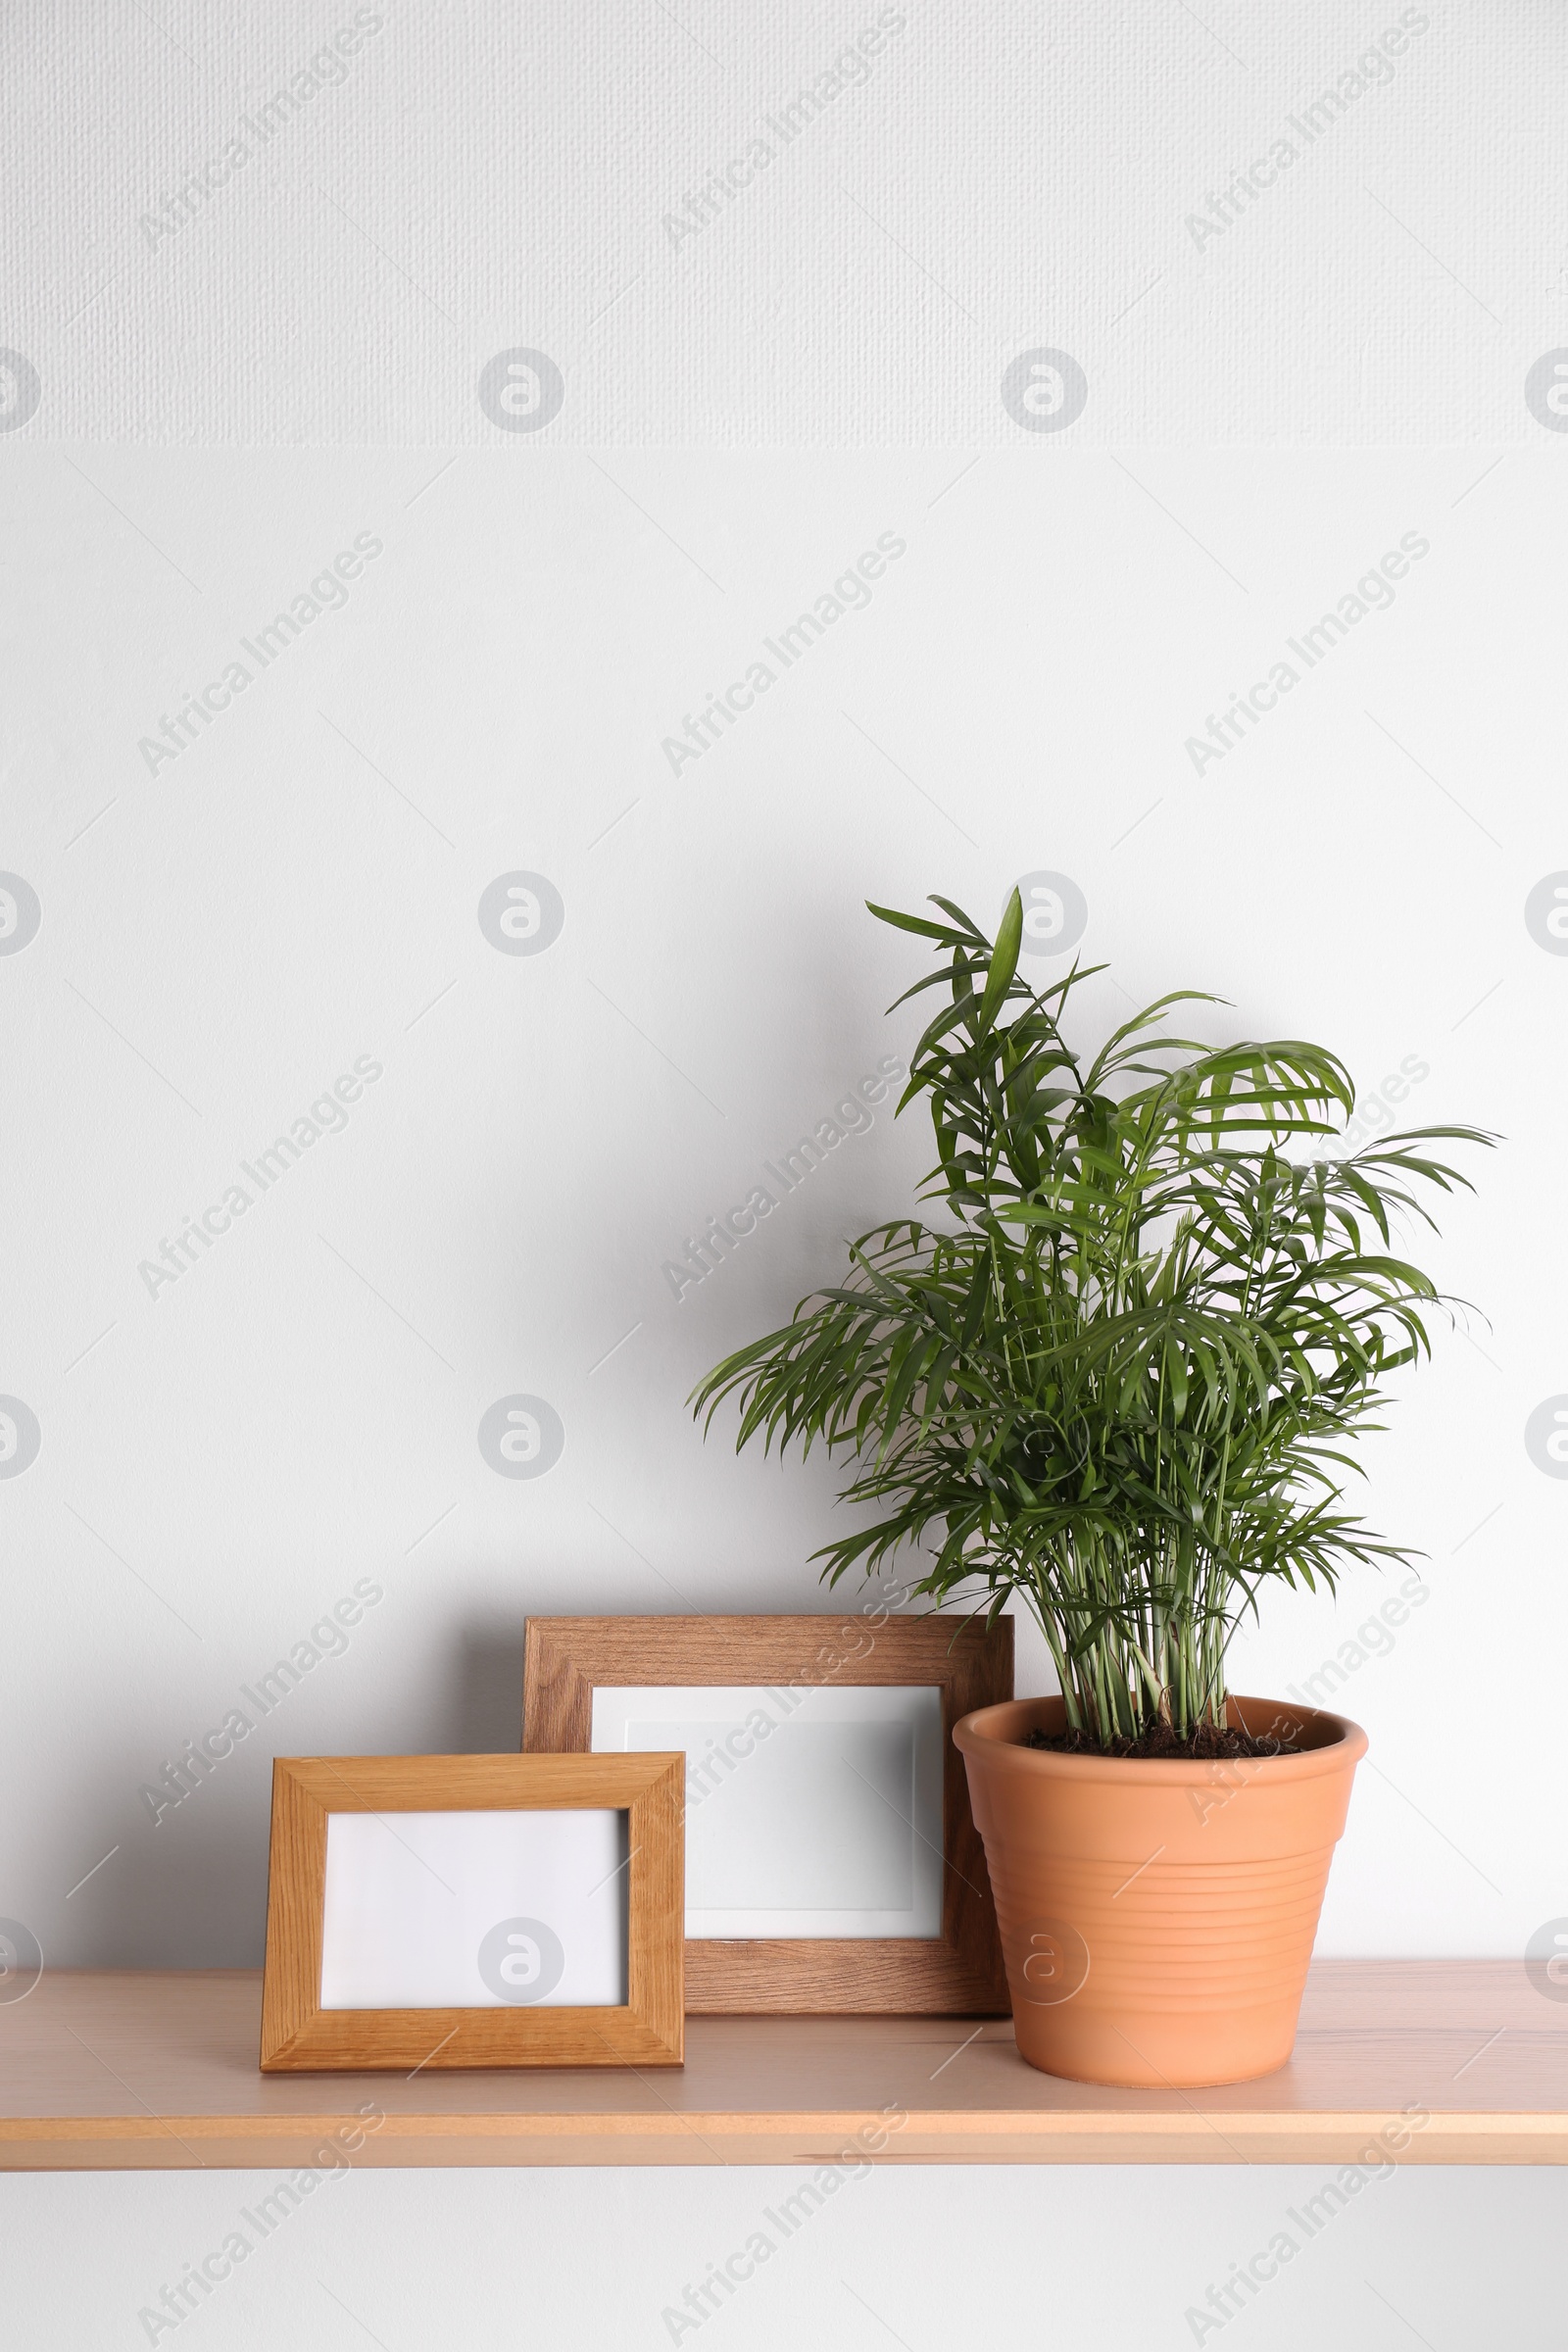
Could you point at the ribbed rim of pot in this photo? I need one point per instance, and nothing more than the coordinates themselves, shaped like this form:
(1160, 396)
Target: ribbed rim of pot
(996, 1733)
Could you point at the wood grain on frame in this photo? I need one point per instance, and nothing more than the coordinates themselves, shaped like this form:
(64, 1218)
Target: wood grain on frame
(957, 1974)
(299, 2036)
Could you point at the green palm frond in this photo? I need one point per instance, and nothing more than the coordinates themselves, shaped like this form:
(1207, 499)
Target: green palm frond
(1120, 1384)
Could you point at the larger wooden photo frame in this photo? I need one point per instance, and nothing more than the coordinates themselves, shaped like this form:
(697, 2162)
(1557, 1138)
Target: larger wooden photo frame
(886, 1695)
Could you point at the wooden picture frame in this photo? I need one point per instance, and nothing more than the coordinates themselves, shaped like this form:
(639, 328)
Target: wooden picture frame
(957, 1973)
(301, 2034)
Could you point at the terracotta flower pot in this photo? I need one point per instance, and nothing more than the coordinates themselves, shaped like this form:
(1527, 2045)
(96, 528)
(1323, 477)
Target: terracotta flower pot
(1157, 1917)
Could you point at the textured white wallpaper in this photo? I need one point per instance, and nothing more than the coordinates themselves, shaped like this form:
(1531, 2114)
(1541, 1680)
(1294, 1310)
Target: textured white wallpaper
(819, 225)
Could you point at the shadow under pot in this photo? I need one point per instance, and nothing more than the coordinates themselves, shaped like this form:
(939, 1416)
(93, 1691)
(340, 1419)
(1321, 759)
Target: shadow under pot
(1157, 1915)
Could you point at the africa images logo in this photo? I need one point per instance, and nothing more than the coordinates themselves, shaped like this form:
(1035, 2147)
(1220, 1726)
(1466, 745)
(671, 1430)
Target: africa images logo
(19, 390)
(19, 1437)
(1546, 1437)
(19, 915)
(1546, 912)
(521, 914)
(521, 1437)
(1547, 1960)
(522, 1960)
(20, 1960)
(520, 390)
(1044, 390)
(1545, 390)
(1056, 913)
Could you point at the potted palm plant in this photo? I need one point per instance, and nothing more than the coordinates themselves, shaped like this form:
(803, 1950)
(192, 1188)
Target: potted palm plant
(1113, 1381)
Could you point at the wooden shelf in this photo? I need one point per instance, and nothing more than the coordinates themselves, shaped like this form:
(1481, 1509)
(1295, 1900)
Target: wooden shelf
(140, 2071)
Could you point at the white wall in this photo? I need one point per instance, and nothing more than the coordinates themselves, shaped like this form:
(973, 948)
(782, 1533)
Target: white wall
(223, 406)
(927, 2258)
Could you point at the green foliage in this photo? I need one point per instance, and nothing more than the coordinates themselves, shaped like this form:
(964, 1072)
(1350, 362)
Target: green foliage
(1117, 1381)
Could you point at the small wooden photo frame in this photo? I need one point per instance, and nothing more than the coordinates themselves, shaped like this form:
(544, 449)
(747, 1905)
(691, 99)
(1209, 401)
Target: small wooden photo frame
(832, 1861)
(439, 1911)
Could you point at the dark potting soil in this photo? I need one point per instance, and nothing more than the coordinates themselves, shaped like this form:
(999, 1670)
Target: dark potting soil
(1210, 1742)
